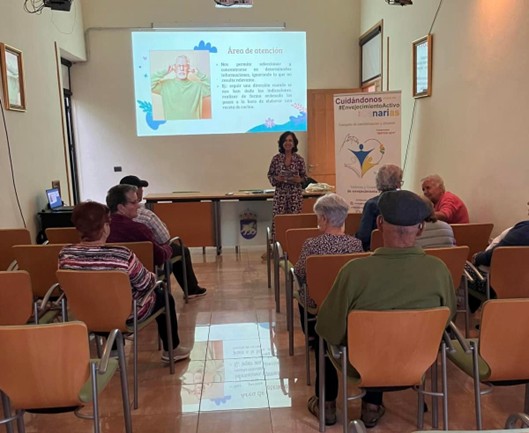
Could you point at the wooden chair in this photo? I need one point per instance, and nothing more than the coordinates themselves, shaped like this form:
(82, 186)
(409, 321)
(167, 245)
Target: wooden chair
(376, 240)
(47, 367)
(321, 273)
(145, 253)
(509, 272)
(455, 258)
(8, 238)
(500, 356)
(474, 235)
(387, 349)
(103, 300)
(16, 298)
(62, 235)
(143, 250)
(295, 240)
(352, 223)
(41, 262)
(281, 224)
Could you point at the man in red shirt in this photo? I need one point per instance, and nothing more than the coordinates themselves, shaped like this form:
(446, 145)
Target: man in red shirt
(447, 206)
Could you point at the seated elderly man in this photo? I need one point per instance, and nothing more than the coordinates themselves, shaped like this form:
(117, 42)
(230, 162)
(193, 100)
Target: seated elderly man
(389, 178)
(397, 276)
(331, 211)
(448, 207)
(162, 237)
(123, 202)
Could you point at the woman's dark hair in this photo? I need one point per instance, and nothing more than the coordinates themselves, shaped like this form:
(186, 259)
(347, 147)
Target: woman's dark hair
(89, 218)
(282, 139)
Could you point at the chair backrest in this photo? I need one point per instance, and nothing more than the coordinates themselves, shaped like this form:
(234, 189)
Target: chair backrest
(474, 235)
(16, 298)
(322, 271)
(396, 347)
(143, 250)
(376, 239)
(504, 329)
(44, 366)
(63, 235)
(352, 223)
(8, 238)
(41, 261)
(509, 272)
(454, 258)
(292, 221)
(101, 299)
(295, 239)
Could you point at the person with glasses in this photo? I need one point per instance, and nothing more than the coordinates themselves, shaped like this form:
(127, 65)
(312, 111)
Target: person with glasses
(389, 178)
(162, 237)
(124, 204)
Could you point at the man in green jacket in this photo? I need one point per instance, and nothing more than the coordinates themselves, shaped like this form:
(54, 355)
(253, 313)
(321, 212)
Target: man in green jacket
(397, 276)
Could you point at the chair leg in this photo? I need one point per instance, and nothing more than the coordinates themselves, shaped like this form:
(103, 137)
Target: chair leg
(526, 401)
(276, 278)
(268, 261)
(95, 397)
(306, 326)
(184, 274)
(344, 389)
(445, 386)
(290, 316)
(285, 261)
(124, 384)
(435, 408)
(6, 406)
(420, 407)
(321, 373)
(135, 355)
(169, 330)
(21, 427)
(467, 311)
(477, 391)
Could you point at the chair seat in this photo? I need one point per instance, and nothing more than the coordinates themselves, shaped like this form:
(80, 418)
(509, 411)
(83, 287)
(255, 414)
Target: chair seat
(464, 360)
(288, 266)
(147, 321)
(298, 297)
(85, 395)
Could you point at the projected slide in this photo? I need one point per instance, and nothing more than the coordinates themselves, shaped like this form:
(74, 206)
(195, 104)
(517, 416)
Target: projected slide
(189, 83)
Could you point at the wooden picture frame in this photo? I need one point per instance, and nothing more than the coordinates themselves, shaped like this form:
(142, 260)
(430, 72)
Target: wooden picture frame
(371, 45)
(422, 67)
(12, 71)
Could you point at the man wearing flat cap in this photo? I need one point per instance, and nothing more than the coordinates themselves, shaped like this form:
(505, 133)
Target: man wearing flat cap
(161, 237)
(396, 276)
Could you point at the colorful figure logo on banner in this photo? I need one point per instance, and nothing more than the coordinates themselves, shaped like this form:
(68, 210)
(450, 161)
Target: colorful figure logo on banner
(365, 155)
(248, 224)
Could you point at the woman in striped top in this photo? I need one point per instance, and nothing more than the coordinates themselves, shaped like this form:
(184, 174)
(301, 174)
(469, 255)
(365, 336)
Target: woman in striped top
(92, 220)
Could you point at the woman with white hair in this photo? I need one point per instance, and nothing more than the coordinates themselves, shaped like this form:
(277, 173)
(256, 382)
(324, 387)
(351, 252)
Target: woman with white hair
(331, 211)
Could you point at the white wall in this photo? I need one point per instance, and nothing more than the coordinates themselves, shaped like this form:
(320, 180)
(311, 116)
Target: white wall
(104, 98)
(472, 130)
(35, 137)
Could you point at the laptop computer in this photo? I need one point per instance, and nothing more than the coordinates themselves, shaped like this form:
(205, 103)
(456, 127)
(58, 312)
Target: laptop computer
(55, 202)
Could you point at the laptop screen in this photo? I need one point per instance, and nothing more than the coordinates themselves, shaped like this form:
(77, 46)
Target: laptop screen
(54, 198)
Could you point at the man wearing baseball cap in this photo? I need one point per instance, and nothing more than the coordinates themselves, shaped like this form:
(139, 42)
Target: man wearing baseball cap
(396, 276)
(162, 237)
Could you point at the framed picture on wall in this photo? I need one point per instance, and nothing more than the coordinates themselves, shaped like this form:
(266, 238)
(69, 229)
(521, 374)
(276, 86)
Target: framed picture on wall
(371, 54)
(422, 67)
(12, 69)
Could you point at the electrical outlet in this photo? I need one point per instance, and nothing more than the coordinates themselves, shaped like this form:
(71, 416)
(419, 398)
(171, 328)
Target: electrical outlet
(117, 168)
